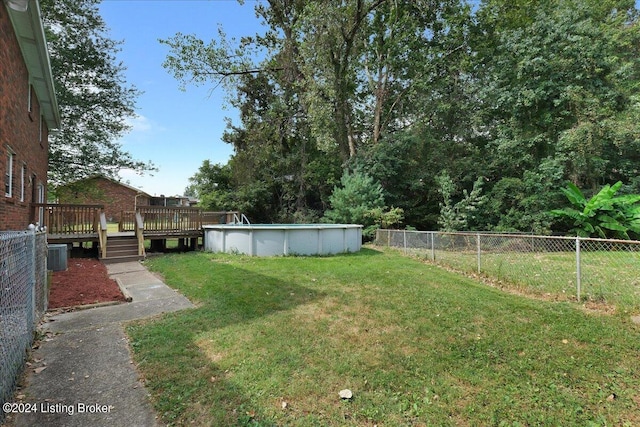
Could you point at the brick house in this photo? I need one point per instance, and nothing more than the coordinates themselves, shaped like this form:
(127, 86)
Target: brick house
(99, 190)
(28, 111)
(115, 196)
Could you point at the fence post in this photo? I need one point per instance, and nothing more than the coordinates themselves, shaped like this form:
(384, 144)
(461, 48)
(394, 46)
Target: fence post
(404, 240)
(388, 237)
(42, 248)
(31, 261)
(578, 272)
(433, 248)
(478, 246)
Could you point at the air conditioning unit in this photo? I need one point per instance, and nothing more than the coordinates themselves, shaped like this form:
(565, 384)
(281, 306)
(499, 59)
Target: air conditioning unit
(57, 258)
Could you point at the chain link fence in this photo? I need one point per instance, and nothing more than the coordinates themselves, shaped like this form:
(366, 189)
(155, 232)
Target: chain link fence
(23, 301)
(598, 270)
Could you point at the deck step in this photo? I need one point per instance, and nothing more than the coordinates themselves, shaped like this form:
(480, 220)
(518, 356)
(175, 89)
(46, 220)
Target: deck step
(122, 249)
(117, 259)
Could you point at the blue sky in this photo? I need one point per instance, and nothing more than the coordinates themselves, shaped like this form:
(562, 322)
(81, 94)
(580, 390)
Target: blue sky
(175, 130)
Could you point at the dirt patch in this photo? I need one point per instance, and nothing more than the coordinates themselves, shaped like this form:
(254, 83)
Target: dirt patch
(84, 282)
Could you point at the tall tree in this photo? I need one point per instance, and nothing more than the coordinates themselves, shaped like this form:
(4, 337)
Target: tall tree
(554, 87)
(95, 100)
(526, 94)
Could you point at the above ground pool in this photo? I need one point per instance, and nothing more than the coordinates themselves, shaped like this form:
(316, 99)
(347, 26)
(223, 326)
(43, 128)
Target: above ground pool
(283, 239)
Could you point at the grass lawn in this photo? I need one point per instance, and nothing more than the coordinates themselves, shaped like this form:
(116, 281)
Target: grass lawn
(274, 340)
(612, 277)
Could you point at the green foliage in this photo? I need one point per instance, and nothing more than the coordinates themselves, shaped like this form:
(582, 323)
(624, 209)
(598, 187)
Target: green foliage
(387, 219)
(96, 104)
(461, 215)
(212, 185)
(603, 215)
(355, 201)
(527, 94)
(79, 192)
(556, 84)
(521, 203)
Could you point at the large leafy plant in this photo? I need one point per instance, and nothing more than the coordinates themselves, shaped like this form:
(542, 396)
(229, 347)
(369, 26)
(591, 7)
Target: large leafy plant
(603, 215)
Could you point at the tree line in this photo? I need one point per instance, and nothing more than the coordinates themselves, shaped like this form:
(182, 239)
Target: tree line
(421, 113)
(467, 116)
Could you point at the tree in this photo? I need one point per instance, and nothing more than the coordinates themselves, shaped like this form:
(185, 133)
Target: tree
(357, 201)
(556, 96)
(212, 186)
(274, 150)
(463, 214)
(94, 98)
(527, 96)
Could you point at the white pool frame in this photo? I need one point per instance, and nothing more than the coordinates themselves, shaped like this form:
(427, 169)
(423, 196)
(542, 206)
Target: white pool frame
(283, 239)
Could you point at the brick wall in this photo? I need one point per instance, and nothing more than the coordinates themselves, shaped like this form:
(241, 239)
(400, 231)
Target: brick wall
(20, 132)
(115, 196)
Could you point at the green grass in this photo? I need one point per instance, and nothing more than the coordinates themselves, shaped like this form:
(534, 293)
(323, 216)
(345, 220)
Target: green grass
(611, 277)
(417, 345)
(170, 244)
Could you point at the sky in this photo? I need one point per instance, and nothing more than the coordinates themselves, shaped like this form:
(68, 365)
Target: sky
(176, 130)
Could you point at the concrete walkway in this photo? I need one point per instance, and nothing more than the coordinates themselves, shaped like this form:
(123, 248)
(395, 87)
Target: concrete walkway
(89, 378)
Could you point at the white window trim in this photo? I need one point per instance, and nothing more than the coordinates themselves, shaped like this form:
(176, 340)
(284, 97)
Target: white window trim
(8, 191)
(23, 184)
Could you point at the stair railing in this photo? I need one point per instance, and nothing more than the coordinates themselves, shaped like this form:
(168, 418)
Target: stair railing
(140, 234)
(102, 233)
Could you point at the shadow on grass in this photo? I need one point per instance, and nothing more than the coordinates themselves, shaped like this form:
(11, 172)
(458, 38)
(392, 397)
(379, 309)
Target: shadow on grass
(176, 368)
(365, 252)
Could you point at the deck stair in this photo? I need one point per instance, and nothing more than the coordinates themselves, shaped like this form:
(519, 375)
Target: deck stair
(122, 248)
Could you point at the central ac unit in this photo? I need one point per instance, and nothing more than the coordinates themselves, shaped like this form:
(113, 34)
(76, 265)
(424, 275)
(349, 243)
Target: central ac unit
(57, 258)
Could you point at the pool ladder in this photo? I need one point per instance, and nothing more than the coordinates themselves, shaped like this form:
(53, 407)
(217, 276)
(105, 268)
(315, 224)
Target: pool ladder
(240, 220)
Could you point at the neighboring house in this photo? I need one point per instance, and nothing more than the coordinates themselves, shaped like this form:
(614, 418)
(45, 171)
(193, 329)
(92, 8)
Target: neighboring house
(28, 111)
(99, 190)
(175, 201)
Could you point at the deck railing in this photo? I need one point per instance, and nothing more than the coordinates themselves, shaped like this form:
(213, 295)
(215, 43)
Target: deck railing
(224, 217)
(166, 217)
(67, 219)
(169, 219)
(102, 234)
(139, 223)
(84, 221)
(127, 221)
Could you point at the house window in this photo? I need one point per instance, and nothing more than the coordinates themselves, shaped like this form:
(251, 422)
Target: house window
(8, 177)
(23, 184)
(40, 130)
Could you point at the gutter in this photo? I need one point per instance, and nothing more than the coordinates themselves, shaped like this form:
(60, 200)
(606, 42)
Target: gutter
(26, 19)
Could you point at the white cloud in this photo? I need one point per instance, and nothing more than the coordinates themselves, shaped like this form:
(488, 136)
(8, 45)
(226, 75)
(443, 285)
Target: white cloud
(139, 123)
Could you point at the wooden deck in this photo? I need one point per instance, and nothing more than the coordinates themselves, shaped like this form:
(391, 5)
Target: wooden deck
(86, 223)
(68, 223)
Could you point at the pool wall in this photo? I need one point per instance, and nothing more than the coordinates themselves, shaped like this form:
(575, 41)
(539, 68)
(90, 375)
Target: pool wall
(283, 239)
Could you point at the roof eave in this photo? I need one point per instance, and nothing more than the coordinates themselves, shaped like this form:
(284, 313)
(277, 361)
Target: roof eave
(33, 44)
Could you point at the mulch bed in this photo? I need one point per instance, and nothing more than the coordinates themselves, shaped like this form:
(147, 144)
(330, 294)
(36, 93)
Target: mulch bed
(84, 282)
